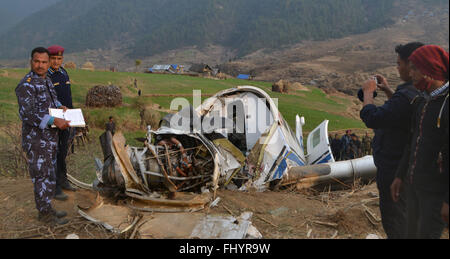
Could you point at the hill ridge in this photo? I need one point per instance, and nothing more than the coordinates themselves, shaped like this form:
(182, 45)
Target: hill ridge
(146, 27)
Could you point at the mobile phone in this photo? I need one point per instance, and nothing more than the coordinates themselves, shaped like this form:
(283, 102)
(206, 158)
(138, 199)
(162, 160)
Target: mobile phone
(376, 80)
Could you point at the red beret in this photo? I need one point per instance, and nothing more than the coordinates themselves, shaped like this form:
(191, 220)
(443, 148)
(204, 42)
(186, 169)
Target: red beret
(56, 50)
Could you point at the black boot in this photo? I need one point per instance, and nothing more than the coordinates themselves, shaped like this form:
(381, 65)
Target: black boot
(59, 214)
(51, 219)
(60, 195)
(66, 186)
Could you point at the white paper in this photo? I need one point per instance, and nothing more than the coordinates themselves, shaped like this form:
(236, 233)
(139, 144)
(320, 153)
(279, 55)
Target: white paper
(75, 116)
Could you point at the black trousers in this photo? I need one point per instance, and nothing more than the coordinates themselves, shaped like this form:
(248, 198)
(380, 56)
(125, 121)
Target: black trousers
(393, 214)
(424, 213)
(61, 169)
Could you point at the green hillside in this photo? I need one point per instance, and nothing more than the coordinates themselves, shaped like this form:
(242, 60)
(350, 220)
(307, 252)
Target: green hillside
(146, 27)
(314, 105)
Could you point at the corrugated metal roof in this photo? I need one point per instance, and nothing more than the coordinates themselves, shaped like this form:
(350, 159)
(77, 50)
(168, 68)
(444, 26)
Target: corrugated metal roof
(242, 76)
(161, 67)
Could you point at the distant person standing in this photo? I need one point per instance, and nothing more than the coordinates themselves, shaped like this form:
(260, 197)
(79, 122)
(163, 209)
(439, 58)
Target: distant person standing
(391, 124)
(35, 95)
(336, 146)
(366, 145)
(61, 81)
(111, 125)
(346, 141)
(355, 146)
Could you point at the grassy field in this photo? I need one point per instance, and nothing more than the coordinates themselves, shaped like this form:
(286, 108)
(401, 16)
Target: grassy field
(314, 105)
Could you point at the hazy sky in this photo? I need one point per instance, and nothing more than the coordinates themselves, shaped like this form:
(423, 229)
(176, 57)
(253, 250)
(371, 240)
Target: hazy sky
(13, 11)
(25, 6)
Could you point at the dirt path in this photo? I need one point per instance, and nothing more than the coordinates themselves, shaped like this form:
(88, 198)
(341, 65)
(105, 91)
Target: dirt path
(19, 214)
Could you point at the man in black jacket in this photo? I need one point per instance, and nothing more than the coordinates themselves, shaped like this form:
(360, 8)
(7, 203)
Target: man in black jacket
(391, 124)
(424, 169)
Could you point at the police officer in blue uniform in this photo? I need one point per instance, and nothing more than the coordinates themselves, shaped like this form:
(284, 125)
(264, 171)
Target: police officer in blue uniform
(35, 95)
(61, 81)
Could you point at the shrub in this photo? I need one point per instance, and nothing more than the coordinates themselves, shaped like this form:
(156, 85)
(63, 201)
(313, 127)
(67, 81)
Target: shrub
(150, 117)
(14, 162)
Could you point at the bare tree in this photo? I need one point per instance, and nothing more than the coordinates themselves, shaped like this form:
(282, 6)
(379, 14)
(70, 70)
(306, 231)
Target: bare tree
(138, 62)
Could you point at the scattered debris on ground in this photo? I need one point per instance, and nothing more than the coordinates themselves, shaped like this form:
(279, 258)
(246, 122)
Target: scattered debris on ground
(306, 214)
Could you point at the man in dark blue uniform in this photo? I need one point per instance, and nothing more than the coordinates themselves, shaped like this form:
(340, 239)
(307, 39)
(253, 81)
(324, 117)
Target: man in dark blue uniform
(391, 123)
(61, 81)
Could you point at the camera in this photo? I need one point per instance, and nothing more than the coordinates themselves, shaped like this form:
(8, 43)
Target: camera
(361, 95)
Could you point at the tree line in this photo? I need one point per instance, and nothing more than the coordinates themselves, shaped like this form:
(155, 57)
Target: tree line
(147, 27)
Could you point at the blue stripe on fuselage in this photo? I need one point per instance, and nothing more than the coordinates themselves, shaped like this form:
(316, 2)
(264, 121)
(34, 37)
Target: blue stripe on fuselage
(283, 164)
(280, 170)
(325, 160)
(293, 157)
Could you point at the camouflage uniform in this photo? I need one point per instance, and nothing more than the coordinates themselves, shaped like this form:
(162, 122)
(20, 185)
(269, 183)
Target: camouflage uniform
(35, 96)
(367, 145)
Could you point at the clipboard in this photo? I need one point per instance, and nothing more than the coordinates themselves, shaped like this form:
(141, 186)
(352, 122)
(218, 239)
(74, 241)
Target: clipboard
(75, 116)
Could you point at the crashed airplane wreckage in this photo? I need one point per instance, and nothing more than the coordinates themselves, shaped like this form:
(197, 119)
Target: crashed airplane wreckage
(242, 143)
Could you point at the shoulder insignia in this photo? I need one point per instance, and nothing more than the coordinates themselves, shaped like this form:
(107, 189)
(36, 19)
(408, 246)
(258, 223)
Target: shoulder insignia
(29, 80)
